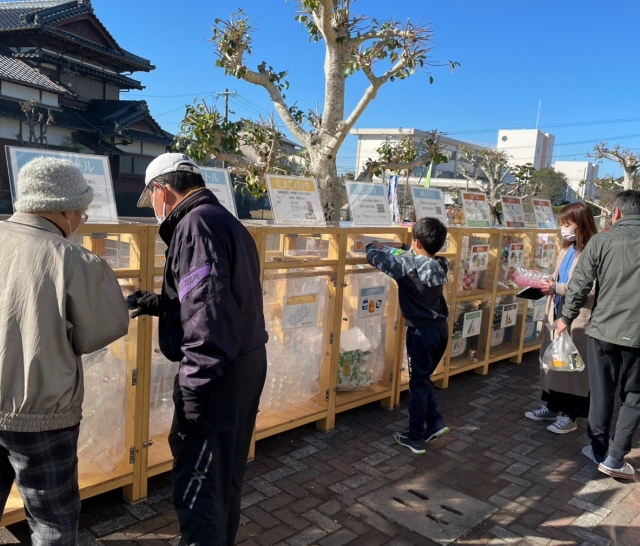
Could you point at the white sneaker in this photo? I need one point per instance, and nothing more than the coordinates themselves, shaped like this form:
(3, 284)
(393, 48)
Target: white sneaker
(563, 425)
(542, 414)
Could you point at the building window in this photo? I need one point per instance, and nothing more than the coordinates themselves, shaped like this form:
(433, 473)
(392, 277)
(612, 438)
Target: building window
(134, 165)
(505, 138)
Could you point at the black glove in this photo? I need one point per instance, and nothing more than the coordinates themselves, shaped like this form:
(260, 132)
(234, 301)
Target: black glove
(191, 405)
(144, 303)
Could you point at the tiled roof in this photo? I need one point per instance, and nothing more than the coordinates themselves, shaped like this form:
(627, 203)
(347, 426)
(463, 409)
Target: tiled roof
(18, 71)
(62, 117)
(143, 136)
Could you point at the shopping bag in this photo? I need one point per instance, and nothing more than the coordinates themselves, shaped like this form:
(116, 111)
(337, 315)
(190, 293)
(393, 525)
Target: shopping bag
(562, 356)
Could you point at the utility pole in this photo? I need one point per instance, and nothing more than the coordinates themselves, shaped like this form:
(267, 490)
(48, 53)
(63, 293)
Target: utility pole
(226, 93)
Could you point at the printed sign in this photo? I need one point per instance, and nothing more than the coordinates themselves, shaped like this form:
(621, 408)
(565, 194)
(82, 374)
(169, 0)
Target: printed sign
(295, 200)
(428, 203)
(544, 214)
(548, 254)
(539, 309)
(497, 336)
(458, 345)
(371, 302)
(479, 258)
(513, 212)
(94, 168)
(516, 255)
(509, 315)
(471, 324)
(476, 210)
(369, 204)
(299, 311)
(529, 214)
(218, 181)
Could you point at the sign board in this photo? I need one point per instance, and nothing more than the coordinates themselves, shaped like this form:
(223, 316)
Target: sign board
(369, 204)
(371, 302)
(516, 255)
(509, 315)
(219, 182)
(539, 309)
(458, 345)
(479, 258)
(513, 212)
(476, 210)
(529, 214)
(94, 168)
(295, 200)
(428, 203)
(497, 336)
(299, 311)
(471, 324)
(548, 254)
(544, 213)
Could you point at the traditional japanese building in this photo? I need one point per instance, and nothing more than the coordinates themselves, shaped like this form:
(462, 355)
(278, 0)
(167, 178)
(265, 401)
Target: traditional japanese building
(61, 78)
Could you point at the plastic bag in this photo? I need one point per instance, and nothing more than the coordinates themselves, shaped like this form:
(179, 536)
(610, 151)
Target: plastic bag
(562, 356)
(530, 278)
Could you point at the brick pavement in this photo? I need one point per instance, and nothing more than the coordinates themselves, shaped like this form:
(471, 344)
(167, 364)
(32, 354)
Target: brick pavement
(304, 486)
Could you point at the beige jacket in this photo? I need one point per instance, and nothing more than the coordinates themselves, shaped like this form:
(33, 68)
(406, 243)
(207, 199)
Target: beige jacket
(568, 382)
(57, 302)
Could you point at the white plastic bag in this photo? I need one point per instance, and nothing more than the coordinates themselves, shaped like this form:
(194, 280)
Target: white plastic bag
(562, 356)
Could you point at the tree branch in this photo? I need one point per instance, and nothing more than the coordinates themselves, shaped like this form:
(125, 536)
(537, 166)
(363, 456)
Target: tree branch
(323, 20)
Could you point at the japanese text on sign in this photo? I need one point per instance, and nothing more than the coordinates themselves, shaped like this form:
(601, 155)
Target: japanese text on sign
(471, 324)
(369, 204)
(299, 311)
(218, 181)
(428, 203)
(371, 301)
(544, 213)
(476, 209)
(516, 255)
(509, 315)
(295, 200)
(513, 212)
(479, 260)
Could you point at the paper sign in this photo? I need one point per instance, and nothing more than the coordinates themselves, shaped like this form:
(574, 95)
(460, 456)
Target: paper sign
(476, 210)
(548, 254)
(295, 200)
(529, 214)
(458, 345)
(94, 168)
(544, 214)
(428, 203)
(299, 311)
(497, 336)
(371, 302)
(218, 181)
(516, 255)
(509, 315)
(539, 309)
(513, 212)
(471, 324)
(369, 204)
(479, 258)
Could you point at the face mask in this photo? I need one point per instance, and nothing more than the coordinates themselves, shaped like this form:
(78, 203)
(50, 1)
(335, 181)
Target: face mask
(568, 233)
(71, 231)
(164, 209)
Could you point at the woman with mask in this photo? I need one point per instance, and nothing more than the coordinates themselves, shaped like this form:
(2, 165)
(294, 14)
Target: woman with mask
(567, 394)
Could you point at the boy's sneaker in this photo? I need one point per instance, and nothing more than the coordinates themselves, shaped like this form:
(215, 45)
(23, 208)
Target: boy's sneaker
(587, 451)
(437, 434)
(403, 439)
(563, 425)
(542, 414)
(617, 469)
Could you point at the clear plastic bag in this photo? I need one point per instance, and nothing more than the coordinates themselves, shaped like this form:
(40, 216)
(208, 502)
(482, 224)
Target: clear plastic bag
(530, 277)
(562, 356)
(163, 373)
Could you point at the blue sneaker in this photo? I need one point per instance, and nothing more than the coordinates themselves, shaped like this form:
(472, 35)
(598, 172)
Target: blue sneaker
(587, 451)
(433, 436)
(416, 447)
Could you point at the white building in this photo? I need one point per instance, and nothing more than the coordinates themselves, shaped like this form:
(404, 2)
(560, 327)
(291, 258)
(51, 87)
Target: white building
(580, 176)
(527, 146)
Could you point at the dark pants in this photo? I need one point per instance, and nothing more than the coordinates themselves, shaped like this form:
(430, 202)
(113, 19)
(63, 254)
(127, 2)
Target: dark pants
(209, 465)
(425, 348)
(609, 365)
(571, 405)
(44, 466)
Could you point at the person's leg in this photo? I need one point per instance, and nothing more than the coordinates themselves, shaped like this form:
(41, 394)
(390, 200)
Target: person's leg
(604, 370)
(46, 470)
(7, 475)
(438, 339)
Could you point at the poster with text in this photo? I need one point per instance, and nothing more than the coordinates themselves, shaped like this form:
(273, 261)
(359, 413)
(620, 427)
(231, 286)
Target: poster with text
(371, 301)
(94, 168)
(513, 212)
(479, 258)
(471, 324)
(300, 311)
(548, 254)
(516, 255)
(295, 200)
(539, 309)
(219, 182)
(476, 210)
(544, 214)
(509, 315)
(428, 203)
(369, 204)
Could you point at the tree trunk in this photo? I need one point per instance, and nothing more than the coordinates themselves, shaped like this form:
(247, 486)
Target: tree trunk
(332, 193)
(627, 183)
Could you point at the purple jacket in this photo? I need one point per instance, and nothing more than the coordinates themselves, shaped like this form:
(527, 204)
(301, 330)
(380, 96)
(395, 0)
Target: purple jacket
(211, 302)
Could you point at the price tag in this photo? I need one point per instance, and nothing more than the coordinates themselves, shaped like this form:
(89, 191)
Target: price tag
(295, 200)
(299, 311)
(479, 258)
(471, 324)
(476, 210)
(371, 302)
(513, 212)
(509, 315)
(428, 203)
(94, 168)
(516, 255)
(369, 204)
(544, 214)
(219, 182)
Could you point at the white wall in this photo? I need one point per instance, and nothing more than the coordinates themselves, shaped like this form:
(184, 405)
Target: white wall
(10, 89)
(527, 146)
(577, 172)
(9, 128)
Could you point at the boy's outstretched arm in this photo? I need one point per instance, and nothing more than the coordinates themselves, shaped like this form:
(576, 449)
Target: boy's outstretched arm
(387, 263)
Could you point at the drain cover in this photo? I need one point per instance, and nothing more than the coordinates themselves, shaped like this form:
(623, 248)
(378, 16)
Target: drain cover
(437, 513)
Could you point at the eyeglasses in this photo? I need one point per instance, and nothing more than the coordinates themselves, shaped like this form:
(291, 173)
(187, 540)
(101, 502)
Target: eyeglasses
(83, 217)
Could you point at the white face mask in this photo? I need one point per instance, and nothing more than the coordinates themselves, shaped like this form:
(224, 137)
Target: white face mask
(164, 209)
(71, 231)
(568, 233)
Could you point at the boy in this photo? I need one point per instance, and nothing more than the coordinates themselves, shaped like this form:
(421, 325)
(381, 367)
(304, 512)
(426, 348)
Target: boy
(420, 276)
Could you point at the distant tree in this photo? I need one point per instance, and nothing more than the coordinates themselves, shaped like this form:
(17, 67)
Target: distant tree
(35, 119)
(628, 159)
(550, 184)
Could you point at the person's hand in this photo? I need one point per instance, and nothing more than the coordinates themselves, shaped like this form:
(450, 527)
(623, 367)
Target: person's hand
(549, 288)
(191, 405)
(561, 326)
(377, 244)
(143, 302)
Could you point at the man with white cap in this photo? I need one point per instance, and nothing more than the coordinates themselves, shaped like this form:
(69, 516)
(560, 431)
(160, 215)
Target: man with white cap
(212, 322)
(58, 301)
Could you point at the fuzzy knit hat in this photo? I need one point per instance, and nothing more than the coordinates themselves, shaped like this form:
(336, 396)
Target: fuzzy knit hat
(48, 184)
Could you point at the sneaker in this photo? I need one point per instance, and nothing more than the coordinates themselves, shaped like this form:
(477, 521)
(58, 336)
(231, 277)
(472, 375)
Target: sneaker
(403, 439)
(542, 414)
(587, 451)
(437, 434)
(563, 425)
(617, 469)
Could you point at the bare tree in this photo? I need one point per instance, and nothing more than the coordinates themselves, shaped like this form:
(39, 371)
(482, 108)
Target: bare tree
(35, 120)
(628, 159)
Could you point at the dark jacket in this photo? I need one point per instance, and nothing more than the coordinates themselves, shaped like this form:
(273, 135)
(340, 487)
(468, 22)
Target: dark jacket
(612, 258)
(211, 303)
(420, 285)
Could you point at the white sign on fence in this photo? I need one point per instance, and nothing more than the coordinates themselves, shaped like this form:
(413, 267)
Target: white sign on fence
(295, 200)
(369, 204)
(371, 302)
(219, 182)
(299, 311)
(428, 203)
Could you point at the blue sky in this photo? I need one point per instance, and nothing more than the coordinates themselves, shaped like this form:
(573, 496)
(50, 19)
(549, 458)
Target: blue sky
(579, 57)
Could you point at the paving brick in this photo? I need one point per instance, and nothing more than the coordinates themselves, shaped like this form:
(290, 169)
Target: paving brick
(111, 526)
(339, 538)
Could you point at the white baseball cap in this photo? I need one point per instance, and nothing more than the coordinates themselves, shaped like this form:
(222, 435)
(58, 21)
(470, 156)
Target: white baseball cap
(163, 164)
